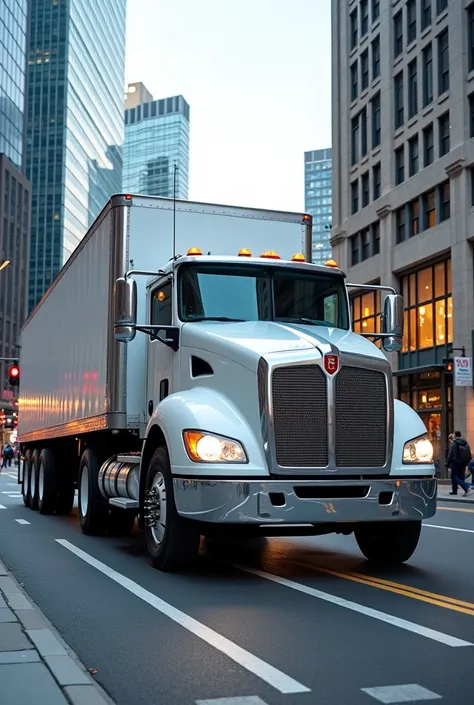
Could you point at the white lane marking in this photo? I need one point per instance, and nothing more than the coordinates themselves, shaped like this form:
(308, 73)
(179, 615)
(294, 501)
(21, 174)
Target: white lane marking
(12, 484)
(2, 506)
(12, 494)
(277, 679)
(245, 700)
(449, 528)
(22, 521)
(362, 609)
(411, 693)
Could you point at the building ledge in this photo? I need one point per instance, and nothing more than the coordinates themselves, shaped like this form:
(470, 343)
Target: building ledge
(384, 210)
(455, 168)
(338, 236)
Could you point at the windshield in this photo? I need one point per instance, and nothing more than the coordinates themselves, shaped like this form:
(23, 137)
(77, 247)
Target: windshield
(259, 293)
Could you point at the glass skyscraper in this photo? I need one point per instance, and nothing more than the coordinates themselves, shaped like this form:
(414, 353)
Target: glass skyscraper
(13, 48)
(156, 138)
(75, 125)
(318, 200)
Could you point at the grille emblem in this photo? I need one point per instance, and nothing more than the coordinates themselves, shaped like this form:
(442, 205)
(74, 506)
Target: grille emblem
(331, 364)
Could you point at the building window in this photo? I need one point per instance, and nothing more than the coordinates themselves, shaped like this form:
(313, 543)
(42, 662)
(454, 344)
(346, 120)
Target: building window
(470, 37)
(400, 218)
(364, 70)
(428, 145)
(355, 140)
(376, 179)
(400, 165)
(443, 62)
(412, 89)
(354, 31)
(441, 5)
(365, 309)
(413, 155)
(376, 120)
(414, 208)
(428, 307)
(365, 189)
(375, 10)
(354, 81)
(427, 75)
(425, 14)
(375, 58)
(411, 21)
(363, 132)
(376, 238)
(398, 90)
(444, 201)
(429, 209)
(365, 236)
(355, 250)
(443, 126)
(354, 196)
(397, 34)
(364, 17)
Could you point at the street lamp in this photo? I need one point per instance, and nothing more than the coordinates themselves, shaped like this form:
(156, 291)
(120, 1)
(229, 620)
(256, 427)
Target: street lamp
(4, 264)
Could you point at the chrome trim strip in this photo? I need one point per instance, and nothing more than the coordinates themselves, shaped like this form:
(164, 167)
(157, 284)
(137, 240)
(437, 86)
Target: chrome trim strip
(103, 422)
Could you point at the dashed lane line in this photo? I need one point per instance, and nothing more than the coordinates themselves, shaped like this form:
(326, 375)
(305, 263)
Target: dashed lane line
(426, 632)
(22, 521)
(410, 693)
(274, 677)
(450, 528)
(2, 506)
(245, 700)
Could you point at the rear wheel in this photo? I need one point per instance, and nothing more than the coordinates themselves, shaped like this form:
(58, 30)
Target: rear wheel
(93, 508)
(33, 480)
(172, 541)
(47, 484)
(388, 542)
(25, 486)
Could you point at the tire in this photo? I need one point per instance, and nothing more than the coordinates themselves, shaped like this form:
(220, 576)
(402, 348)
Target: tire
(93, 508)
(47, 483)
(33, 480)
(172, 543)
(25, 486)
(388, 542)
(120, 522)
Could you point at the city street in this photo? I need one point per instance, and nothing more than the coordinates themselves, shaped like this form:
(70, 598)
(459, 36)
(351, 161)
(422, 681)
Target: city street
(300, 621)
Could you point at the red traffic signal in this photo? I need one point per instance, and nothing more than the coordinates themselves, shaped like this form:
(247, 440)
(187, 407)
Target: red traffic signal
(14, 375)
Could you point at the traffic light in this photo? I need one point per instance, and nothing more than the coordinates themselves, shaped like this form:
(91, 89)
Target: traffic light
(448, 364)
(14, 376)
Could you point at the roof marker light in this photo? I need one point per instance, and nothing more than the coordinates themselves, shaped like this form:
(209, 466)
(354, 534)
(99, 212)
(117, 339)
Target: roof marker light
(298, 257)
(330, 263)
(193, 251)
(306, 218)
(244, 252)
(270, 254)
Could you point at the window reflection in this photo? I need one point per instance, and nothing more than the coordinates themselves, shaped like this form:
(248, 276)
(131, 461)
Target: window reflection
(365, 310)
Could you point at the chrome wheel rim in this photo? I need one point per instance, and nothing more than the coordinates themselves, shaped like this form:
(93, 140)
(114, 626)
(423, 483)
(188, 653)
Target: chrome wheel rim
(41, 481)
(84, 503)
(156, 508)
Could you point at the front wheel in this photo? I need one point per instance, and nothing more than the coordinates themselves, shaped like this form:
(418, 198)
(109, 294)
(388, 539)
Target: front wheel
(172, 541)
(388, 542)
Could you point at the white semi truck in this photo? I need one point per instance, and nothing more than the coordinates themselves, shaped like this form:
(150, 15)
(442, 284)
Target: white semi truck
(190, 368)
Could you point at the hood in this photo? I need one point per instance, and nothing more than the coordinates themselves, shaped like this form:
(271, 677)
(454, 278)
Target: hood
(246, 342)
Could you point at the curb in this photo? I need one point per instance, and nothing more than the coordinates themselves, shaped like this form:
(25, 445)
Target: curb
(43, 644)
(453, 500)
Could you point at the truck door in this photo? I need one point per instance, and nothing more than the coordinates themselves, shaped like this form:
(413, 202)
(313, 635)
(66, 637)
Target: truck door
(160, 356)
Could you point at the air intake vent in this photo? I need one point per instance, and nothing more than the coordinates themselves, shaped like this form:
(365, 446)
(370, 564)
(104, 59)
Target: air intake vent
(200, 368)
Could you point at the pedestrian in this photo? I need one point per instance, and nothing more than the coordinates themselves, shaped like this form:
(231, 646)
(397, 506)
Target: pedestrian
(458, 457)
(7, 456)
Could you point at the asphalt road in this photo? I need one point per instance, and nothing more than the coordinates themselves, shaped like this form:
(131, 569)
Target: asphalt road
(302, 621)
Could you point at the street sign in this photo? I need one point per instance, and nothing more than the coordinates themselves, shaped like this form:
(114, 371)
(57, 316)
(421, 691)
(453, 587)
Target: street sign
(463, 371)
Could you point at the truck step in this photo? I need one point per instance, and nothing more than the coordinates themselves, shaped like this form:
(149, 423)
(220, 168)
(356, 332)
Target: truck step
(123, 503)
(133, 459)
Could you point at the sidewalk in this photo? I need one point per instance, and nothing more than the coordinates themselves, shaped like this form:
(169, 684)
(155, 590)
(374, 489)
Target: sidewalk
(36, 666)
(444, 490)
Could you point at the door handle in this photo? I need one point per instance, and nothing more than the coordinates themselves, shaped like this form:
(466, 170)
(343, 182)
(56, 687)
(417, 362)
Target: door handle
(150, 407)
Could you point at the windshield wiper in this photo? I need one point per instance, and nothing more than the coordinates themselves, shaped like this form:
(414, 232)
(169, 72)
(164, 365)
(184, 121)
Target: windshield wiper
(217, 318)
(308, 321)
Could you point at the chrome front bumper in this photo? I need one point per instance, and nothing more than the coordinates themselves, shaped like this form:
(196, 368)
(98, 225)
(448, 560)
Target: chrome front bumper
(304, 502)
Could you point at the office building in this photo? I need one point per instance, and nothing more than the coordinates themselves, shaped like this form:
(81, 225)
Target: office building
(156, 139)
(403, 186)
(318, 200)
(14, 194)
(75, 125)
(136, 94)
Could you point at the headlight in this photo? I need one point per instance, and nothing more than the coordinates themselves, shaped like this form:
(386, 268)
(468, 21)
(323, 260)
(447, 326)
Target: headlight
(207, 448)
(419, 450)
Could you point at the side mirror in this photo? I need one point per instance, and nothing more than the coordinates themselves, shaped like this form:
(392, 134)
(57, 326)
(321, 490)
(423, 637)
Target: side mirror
(125, 309)
(392, 323)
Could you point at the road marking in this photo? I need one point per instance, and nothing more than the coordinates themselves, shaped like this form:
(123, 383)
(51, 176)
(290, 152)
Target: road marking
(277, 679)
(2, 506)
(411, 693)
(432, 598)
(12, 494)
(245, 700)
(22, 521)
(450, 528)
(455, 509)
(442, 638)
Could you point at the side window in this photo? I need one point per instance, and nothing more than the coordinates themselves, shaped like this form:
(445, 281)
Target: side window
(161, 305)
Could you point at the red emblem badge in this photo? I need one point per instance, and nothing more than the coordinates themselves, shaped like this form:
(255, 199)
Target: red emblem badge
(331, 364)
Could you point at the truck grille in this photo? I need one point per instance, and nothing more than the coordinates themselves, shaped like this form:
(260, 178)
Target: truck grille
(300, 416)
(361, 418)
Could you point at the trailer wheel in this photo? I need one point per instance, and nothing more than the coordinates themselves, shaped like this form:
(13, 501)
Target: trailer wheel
(33, 480)
(25, 485)
(120, 522)
(47, 485)
(172, 541)
(388, 542)
(93, 508)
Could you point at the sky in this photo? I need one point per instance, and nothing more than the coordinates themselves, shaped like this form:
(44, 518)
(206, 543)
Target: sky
(257, 77)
